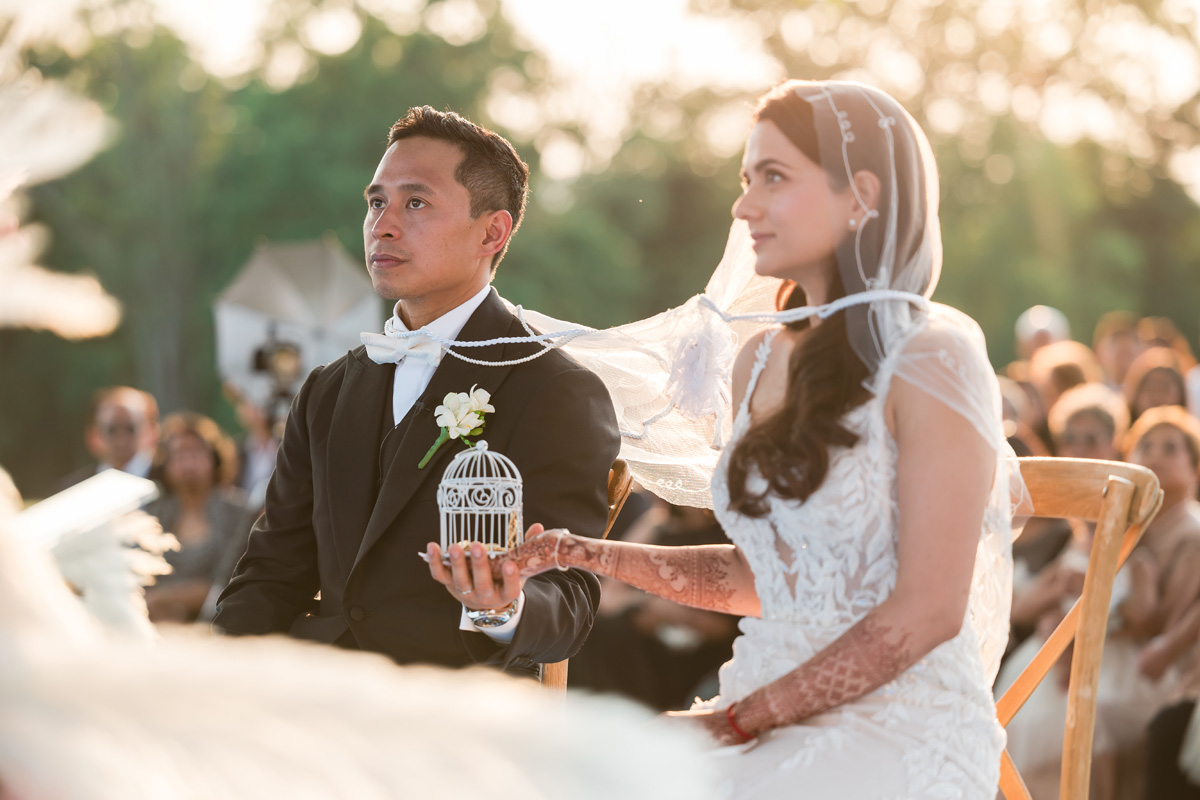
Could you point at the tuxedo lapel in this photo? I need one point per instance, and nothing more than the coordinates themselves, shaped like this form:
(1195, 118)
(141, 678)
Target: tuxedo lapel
(353, 453)
(402, 478)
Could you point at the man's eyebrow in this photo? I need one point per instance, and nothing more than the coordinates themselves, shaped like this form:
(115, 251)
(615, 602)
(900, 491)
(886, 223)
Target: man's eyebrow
(419, 188)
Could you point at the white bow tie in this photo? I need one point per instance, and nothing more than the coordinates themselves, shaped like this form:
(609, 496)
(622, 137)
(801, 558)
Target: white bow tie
(385, 349)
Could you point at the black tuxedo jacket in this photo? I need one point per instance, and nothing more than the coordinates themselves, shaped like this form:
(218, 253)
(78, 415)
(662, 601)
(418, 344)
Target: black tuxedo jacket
(341, 523)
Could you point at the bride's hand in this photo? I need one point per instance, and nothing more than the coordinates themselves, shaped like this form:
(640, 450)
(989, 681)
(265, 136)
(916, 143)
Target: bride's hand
(715, 724)
(536, 555)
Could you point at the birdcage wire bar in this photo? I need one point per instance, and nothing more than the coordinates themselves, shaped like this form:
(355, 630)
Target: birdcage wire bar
(480, 500)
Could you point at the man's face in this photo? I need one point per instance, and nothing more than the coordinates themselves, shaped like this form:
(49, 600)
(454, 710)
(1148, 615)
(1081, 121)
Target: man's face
(420, 240)
(118, 434)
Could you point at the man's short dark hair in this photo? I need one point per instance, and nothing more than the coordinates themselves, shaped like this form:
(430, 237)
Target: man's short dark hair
(492, 172)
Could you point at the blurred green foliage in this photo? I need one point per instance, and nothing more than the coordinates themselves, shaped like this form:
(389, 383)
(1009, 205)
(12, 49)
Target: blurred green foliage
(203, 170)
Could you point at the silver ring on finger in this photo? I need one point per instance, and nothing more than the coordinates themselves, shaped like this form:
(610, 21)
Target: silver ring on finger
(465, 592)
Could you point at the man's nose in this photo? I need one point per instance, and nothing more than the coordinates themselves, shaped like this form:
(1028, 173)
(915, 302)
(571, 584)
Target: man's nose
(386, 225)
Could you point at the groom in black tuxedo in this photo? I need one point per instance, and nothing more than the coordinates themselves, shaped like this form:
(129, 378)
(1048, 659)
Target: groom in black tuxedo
(335, 556)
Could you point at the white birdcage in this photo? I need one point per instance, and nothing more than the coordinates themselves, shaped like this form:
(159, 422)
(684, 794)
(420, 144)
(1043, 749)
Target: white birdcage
(480, 501)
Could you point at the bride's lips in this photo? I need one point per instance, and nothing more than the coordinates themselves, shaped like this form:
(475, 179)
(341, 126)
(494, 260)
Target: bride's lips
(761, 238)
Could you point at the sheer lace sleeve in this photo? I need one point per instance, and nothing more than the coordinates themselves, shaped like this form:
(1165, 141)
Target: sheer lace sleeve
(946, 357)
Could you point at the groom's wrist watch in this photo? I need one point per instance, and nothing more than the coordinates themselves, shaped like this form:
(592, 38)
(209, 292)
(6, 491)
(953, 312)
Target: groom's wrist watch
(492, 617)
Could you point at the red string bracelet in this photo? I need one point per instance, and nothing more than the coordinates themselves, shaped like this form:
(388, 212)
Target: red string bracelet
(741, 734)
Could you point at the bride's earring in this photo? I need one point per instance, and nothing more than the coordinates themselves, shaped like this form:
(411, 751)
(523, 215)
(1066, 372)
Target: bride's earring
(853, 223)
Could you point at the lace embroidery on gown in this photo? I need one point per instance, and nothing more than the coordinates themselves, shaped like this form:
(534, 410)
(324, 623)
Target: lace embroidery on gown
(819, 567)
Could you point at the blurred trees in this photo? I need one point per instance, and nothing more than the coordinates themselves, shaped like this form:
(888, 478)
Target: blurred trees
(1058, 158)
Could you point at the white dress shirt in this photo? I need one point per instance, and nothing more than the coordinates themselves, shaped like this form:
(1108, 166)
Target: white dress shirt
(411, 380)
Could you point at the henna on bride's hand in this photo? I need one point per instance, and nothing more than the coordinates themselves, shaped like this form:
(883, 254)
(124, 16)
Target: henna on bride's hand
(866, 657)
(546, 551)
(701, 577)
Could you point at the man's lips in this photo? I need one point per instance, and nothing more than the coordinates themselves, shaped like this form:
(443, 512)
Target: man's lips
(385, 260)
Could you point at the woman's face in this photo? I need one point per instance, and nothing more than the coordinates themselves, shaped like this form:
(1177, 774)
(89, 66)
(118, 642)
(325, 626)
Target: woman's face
(1160, 387)
(1164, 451)
(190, 463)
(1086, 436)
(794, 217)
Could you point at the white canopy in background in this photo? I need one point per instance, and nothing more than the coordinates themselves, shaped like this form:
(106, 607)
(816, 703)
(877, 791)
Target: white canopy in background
(309, 294)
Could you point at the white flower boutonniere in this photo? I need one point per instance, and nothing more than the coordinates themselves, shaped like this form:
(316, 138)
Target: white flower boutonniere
(460, 415)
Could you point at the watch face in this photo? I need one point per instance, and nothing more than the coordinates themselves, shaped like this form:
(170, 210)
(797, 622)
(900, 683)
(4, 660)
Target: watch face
(491, 617)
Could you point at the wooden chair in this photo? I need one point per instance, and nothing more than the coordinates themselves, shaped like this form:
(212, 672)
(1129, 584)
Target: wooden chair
(554, 676)
(1121, 499)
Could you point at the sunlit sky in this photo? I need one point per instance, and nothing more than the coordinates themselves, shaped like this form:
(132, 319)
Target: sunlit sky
(603, 45)
(599, 51)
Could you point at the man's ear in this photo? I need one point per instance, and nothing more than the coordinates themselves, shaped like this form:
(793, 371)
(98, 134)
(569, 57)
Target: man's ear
(868, 186)
(497, 228)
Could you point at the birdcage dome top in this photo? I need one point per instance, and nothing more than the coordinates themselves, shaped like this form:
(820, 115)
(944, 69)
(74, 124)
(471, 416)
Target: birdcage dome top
(480, 463)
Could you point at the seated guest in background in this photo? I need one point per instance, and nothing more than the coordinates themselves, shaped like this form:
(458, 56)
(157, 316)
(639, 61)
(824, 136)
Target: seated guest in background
(122, 433)
(1116, 344)
(1088, 421)
(1166, 565)
(1161, 332)
(1037, 327)
(1057, 367)
(195, 464)
(1018, 405)
(1154, 379)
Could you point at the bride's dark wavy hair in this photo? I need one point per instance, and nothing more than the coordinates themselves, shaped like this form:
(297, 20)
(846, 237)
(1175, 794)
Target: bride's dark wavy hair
(825, 376)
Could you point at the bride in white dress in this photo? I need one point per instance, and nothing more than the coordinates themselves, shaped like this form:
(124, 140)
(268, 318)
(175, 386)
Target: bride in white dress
(867, 484)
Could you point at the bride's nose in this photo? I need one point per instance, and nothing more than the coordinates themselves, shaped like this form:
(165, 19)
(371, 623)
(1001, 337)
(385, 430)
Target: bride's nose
(744, 207)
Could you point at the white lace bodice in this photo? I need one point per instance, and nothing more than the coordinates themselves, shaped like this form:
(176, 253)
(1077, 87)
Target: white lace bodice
(821, 565)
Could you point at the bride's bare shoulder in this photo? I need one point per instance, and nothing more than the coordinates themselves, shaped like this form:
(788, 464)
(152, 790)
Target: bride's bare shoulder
(743, 365)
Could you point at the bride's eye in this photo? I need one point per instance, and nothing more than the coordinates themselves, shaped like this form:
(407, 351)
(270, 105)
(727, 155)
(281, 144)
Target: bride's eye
(772, 176)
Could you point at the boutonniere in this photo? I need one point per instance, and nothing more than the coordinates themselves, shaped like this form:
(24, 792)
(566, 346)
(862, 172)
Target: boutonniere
(460, 415)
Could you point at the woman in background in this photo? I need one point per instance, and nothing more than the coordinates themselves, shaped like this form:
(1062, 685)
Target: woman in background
(195, 465)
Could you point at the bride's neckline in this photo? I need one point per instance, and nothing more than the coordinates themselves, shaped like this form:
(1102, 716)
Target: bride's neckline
(745, 419)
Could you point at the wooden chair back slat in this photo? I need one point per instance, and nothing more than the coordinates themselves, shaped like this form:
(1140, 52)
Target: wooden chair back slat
(1121, 499)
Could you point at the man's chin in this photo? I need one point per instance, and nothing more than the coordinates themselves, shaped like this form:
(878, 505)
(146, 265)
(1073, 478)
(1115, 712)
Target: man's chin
(388, 290)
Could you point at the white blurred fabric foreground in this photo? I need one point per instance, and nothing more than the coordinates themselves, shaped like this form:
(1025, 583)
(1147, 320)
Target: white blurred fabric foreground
(88, 713)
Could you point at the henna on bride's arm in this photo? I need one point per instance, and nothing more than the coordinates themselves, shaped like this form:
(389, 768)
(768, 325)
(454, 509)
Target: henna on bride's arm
(712, 577)
(867, 656)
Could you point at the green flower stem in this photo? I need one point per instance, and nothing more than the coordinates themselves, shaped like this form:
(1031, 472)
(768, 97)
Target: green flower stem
(443, 437)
